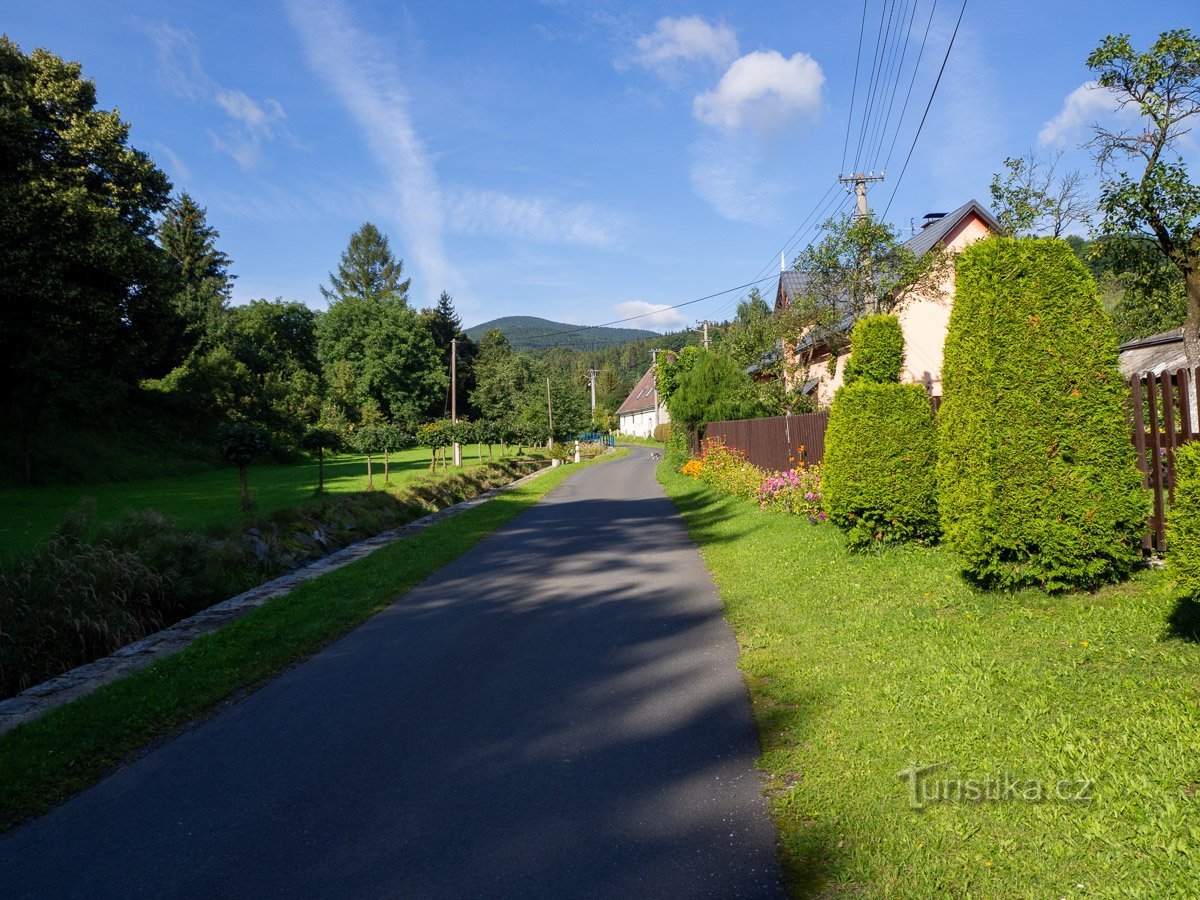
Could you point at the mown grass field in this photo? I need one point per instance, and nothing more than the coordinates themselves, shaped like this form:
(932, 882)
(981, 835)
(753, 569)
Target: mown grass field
(862, 665)
(204, 499)
(45, 761)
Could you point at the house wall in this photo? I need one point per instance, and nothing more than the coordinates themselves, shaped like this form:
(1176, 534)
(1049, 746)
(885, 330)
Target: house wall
(642, 422)
(924, 319)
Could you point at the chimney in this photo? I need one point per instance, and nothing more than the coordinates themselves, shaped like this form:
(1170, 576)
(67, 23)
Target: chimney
(930, 218)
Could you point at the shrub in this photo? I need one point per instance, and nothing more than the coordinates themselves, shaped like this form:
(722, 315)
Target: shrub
(796, 491)
(1183, 524)
(727, 469)
(879, 472)
(1037, 482)
(662, 432)
(878, 351)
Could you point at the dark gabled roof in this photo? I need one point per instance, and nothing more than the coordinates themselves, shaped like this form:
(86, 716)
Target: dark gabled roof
(935, 232)
(643, 396)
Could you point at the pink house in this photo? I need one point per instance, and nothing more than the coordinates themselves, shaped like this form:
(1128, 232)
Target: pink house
(924, 315)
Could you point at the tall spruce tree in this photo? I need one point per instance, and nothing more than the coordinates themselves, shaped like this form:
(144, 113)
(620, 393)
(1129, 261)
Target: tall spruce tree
(371, 344)
(201, 271)
(368, 270)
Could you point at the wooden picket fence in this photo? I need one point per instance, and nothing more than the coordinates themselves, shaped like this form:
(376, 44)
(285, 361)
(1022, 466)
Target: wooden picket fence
(1162, 411)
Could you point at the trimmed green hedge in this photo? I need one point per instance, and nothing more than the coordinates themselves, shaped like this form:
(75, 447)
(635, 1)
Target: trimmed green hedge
(1183, 524)
(879, 473)
(877, 350)
(1036, 473)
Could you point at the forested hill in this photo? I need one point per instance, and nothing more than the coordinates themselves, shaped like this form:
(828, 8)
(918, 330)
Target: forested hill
(532, 333)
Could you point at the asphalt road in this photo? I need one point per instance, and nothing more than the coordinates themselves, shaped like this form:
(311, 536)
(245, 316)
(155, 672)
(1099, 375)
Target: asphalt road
(556, 714)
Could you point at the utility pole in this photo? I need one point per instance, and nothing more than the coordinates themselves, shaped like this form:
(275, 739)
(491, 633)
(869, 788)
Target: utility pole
(860, 182)
(705, 324)
(550, 412)
(454, 399)
(592, 373)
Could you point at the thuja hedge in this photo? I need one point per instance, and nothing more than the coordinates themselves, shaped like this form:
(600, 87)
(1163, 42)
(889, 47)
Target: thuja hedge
(880, 464)
(880, 445)
(1183, 525)
(1036, 473)
(878, 350)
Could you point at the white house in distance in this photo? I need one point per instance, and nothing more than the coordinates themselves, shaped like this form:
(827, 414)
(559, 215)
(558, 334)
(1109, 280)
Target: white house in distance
(641, 411)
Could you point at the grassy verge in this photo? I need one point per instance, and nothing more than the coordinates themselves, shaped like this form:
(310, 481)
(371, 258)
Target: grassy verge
(861, 665)
(45, 761)
(206, 499)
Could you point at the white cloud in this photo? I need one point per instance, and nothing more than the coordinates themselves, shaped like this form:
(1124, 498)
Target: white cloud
(724, 173)
(763, 90)
(494, 213)
(252, 123)
(688, 39)
(656, 315)
(1083, 106)
(357, 69)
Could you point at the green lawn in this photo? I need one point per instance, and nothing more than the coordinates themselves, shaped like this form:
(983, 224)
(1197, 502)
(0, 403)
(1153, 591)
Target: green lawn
(862, 665)
(206, 499)
(47, 760)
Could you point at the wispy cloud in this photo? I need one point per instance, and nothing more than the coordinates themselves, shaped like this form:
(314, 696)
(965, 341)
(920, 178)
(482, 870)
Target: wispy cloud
(656, 315)
(251, 122)
(689, 39)
(180, 171)
(356, 67)
(725, 174)
(498, 214)
(1082, 107)
(763, 90)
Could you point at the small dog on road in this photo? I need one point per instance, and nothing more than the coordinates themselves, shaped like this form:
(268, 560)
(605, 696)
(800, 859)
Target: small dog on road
(656, 455)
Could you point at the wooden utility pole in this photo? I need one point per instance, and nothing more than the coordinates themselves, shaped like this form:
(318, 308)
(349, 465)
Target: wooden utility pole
(454, 399)
(550, 412)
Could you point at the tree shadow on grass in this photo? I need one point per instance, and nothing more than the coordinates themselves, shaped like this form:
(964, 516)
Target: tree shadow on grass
(1184, 621)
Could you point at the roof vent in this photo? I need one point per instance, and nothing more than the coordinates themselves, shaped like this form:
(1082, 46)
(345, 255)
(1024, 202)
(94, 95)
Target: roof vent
(930, 218)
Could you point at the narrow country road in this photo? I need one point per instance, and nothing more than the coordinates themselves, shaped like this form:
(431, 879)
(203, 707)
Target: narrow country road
(556, 714)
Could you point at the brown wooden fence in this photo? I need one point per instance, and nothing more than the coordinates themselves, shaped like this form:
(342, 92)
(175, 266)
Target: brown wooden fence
(775, 442)
(1162, 410)
(1162, 413)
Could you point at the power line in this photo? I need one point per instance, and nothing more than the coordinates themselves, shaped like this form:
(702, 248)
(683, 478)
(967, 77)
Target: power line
(932, 94)
(911, 82)
(784, 248)
(818, 224)
(854, 89)
(876, 60)
(894, 78)
(886, 56)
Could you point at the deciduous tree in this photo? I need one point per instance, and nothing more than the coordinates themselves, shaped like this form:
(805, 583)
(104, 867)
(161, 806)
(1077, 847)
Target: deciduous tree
(84, 305)
(1161, 201)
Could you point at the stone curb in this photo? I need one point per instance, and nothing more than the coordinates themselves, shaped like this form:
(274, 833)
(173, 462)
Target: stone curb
(36, 701)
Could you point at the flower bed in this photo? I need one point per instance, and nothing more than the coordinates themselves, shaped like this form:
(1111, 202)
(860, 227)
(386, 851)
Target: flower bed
(796, 491)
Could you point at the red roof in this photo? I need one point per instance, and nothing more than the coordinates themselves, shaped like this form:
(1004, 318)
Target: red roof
(643, 396)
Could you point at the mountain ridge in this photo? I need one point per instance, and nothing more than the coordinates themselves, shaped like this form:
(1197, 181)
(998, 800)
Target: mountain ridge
(536, 333)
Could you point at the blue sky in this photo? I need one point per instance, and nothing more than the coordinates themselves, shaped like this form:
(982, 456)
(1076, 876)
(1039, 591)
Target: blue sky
(581, 161)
